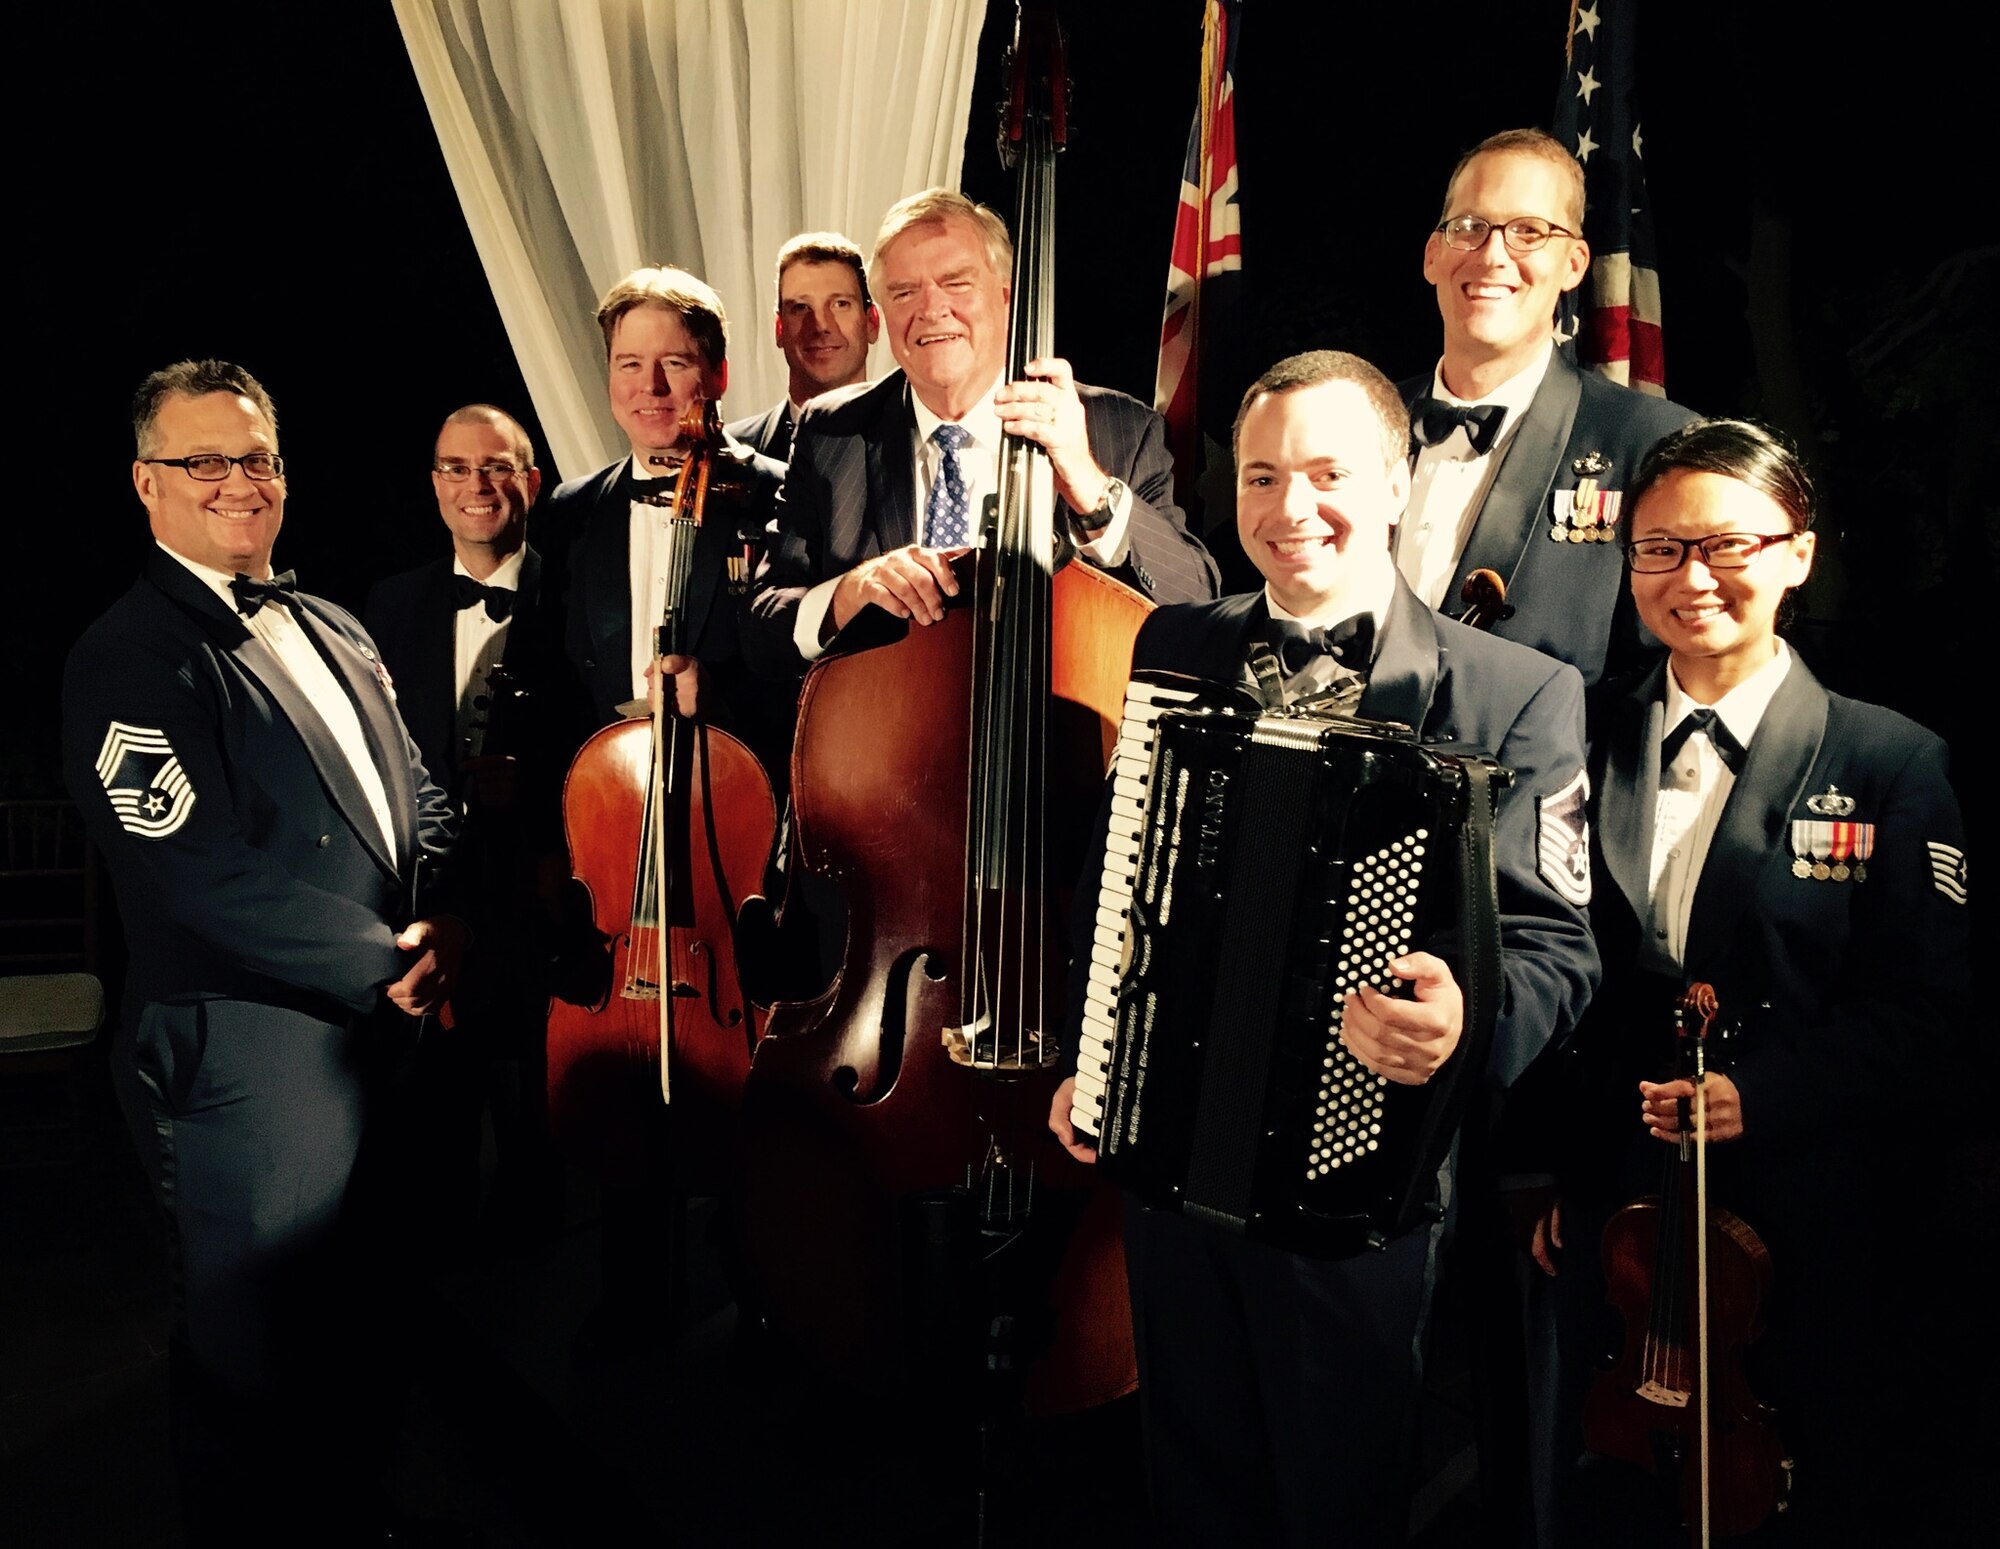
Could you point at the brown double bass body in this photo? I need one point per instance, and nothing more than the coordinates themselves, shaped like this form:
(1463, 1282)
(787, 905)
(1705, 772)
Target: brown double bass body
(901, 1192)
(670, 822)
(1677, 1401)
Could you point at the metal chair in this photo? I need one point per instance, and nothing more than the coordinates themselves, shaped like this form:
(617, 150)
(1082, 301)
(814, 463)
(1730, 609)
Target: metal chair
(51, 997)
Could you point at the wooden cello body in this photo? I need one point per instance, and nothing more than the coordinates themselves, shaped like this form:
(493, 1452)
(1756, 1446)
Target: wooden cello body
(1690, 1284)
(605, 1083)
(670, 822)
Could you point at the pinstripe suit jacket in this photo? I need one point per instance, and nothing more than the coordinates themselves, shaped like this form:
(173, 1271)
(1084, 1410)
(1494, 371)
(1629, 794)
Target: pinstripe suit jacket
(849, 495)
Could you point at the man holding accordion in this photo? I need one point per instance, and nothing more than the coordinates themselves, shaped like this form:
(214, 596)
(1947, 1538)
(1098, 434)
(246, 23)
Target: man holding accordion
(1280, 1345)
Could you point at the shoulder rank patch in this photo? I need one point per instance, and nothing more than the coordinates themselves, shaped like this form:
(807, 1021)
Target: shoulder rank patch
(1948, 869)
(149, 790)
(1563, 841)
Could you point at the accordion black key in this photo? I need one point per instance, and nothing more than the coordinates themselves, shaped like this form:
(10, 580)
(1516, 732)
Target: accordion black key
(1259, 866)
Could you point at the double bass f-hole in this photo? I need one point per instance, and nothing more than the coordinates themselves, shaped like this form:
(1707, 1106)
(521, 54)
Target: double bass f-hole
(1691, 1283)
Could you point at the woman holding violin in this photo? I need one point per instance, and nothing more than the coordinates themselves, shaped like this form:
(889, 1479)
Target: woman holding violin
(1803, 854)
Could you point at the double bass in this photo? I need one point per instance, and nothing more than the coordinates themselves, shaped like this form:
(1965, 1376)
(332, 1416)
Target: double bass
(1691, 1283)
(670, 821)
(901, 1197)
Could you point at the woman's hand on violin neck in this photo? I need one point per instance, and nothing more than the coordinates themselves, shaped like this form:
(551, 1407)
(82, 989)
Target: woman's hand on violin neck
(1661, 1107)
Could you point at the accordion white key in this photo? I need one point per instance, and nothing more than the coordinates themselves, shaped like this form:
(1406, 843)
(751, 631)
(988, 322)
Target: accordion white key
(1259, 866)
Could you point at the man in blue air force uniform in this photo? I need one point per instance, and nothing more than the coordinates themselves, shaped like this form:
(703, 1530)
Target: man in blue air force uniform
(1279, 1391)
(271, 835)
(1521, 459)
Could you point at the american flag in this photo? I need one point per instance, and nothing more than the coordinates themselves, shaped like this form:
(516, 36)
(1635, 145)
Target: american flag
(1597, 117)
(1204, 274)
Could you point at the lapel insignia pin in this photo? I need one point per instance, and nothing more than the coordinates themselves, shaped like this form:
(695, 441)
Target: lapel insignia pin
(1831, 803)
(1590, 465)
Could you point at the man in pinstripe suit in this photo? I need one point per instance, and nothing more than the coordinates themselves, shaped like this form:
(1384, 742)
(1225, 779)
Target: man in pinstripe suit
(887, 479)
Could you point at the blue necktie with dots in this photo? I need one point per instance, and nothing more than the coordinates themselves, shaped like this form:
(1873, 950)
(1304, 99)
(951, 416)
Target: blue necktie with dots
(947, 506)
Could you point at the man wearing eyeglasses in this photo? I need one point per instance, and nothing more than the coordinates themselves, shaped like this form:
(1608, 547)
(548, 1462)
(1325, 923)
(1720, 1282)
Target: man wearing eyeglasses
(475, 646)
(1521, 458)
(276, 848)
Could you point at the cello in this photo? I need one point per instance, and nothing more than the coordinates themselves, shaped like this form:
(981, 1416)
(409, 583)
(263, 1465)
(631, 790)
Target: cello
(669, 821)
(1676, 1402)
(900, 1191)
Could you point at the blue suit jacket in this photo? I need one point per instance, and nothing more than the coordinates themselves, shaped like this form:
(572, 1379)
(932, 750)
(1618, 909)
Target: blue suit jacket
(262, 875)
(1570, 600)
(850, 494)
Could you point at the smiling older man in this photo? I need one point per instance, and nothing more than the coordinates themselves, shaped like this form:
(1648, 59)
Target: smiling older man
(887, 480)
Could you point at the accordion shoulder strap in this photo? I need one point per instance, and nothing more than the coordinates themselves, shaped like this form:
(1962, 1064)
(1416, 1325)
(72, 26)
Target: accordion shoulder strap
(1479, 909)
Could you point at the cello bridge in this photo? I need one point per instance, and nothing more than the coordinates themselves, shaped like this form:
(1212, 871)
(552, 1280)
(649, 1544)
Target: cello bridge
(1654, 1391)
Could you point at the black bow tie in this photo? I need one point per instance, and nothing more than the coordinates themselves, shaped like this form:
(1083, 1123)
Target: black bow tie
(252, 595)
(1432, 420)
(1720, 737)
(1351, 641)
(498, 599)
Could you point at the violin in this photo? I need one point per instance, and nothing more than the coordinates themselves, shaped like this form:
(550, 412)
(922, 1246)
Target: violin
(1485, 597)
(1691, 1284)
(946, 777)
(670, 821)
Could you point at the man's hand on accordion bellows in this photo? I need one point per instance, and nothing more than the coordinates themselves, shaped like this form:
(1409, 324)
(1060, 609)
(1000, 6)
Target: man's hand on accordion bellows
(1059, 1124)
(1406, 1040)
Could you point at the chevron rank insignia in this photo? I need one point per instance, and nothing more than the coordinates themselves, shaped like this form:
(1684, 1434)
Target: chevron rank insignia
(1563, 841)
(149, 790)
(1948, 869)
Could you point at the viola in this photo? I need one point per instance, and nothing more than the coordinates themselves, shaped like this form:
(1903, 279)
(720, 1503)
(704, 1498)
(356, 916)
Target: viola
(670, 822)
(946, 777)
(1691, 1284)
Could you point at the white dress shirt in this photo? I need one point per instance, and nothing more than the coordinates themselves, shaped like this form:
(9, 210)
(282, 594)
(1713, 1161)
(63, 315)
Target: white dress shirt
(647, 565)
(979, 463)
(1693, 792)
(275, 625)
(1450, 481)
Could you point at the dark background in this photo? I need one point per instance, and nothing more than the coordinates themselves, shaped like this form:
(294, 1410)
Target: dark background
(262, 184)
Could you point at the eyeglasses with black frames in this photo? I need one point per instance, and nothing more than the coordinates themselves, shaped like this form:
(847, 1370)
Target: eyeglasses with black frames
(1522, 234)
(213, 467)
(1719, 551)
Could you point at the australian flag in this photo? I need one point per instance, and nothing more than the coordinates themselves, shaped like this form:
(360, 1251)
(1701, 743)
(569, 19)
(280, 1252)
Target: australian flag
(1614, 316)
(1205, 273)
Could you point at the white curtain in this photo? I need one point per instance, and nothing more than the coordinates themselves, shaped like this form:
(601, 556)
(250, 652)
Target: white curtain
(588, 137)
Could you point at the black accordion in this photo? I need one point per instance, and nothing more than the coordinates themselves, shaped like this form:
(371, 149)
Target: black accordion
(1259, 866)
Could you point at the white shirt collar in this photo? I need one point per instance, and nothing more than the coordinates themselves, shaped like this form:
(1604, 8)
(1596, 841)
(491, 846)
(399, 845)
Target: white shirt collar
(506, 575)
(1371, 595)
(1742, 708)
(217, 581)
(1514, 394)
(981, 421)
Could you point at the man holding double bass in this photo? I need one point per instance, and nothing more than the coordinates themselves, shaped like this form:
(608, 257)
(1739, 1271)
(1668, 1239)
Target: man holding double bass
(887, 479)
